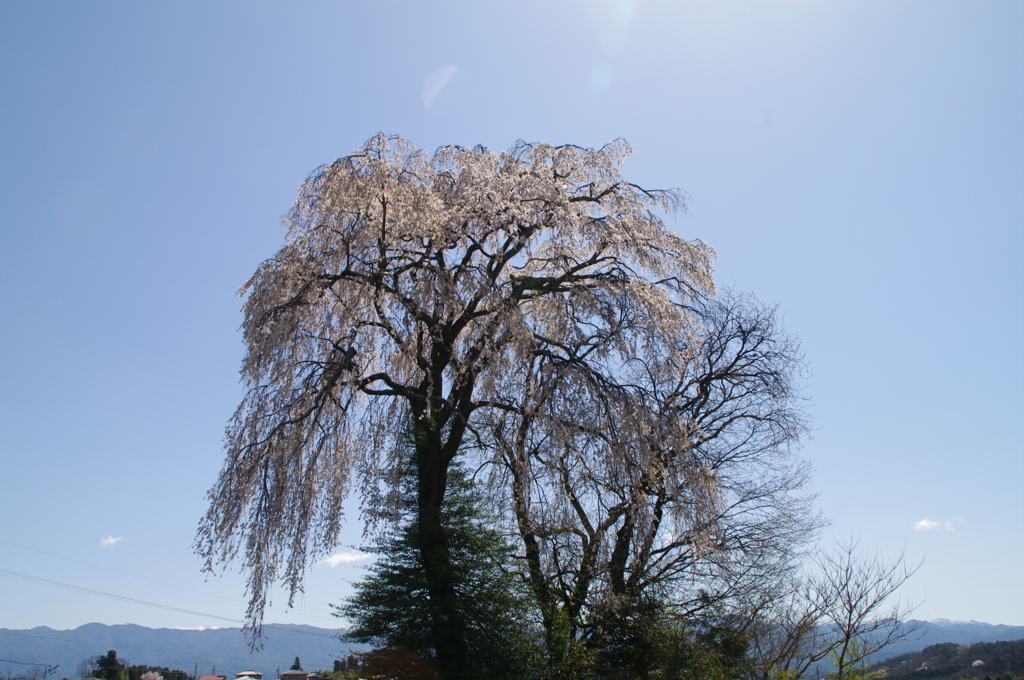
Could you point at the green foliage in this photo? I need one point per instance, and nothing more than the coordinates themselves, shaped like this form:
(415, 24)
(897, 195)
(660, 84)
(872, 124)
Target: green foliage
(296, 665)
(950, 661)
(391, 606)
(576, 661)
(643, 641)
(109, 667)
(785, 674)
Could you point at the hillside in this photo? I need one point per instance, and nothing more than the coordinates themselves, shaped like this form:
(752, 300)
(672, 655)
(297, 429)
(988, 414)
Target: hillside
(223, 649)
(952, 661)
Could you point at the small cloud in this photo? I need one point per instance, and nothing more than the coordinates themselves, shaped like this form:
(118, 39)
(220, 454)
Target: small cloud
(949, 525)
(110, 541)
(345, 558)
(435, 83)
(952, 524)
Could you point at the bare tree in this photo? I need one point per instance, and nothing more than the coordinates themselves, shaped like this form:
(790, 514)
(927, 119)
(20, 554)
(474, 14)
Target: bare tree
(33, 671)
(423, 286)
(675, 480)
(842, 612)
(88, 666)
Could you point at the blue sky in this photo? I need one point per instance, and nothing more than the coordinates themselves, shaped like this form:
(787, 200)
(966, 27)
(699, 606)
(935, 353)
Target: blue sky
(859, 163)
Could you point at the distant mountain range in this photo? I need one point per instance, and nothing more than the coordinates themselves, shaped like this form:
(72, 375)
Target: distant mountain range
(943, 630)
(224, 651)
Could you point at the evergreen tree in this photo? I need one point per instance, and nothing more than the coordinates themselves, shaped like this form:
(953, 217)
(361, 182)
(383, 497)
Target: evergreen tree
(392, 608)
(109, 667)
(296, 665)
(642, 640)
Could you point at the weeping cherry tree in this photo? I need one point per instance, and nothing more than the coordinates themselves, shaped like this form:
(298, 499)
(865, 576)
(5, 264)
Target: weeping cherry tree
(417, 288)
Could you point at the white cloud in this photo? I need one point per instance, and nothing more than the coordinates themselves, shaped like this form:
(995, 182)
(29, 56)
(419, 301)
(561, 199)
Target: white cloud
(931, 524)
(110, 541)
(435, 83)
(345, 558)
(952, 524)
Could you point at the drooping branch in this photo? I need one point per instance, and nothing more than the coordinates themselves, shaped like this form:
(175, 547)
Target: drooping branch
(421, 285)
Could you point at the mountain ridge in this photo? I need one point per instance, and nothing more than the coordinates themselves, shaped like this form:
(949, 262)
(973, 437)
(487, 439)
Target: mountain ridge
(939, 631)
(193, 651)
(224, 650)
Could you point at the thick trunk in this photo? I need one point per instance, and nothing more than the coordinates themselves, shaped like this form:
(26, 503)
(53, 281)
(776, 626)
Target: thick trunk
(447, 628)
(620, 554)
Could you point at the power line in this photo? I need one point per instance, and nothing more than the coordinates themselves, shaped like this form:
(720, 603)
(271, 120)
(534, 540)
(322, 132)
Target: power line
(60, 584)
(113, 596)
(47, 668)
(162, 583)
(23, 663)
(121, 573)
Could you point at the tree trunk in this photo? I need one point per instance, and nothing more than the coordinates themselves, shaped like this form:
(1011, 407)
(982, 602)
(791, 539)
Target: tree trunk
(447, 627)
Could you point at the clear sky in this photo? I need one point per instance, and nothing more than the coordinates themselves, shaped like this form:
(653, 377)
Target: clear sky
(860, 163)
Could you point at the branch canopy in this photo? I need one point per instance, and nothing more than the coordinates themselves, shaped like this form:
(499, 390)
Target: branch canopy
(416, 285)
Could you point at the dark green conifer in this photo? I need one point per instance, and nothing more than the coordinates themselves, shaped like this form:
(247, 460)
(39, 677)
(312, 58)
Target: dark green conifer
(391, 606)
